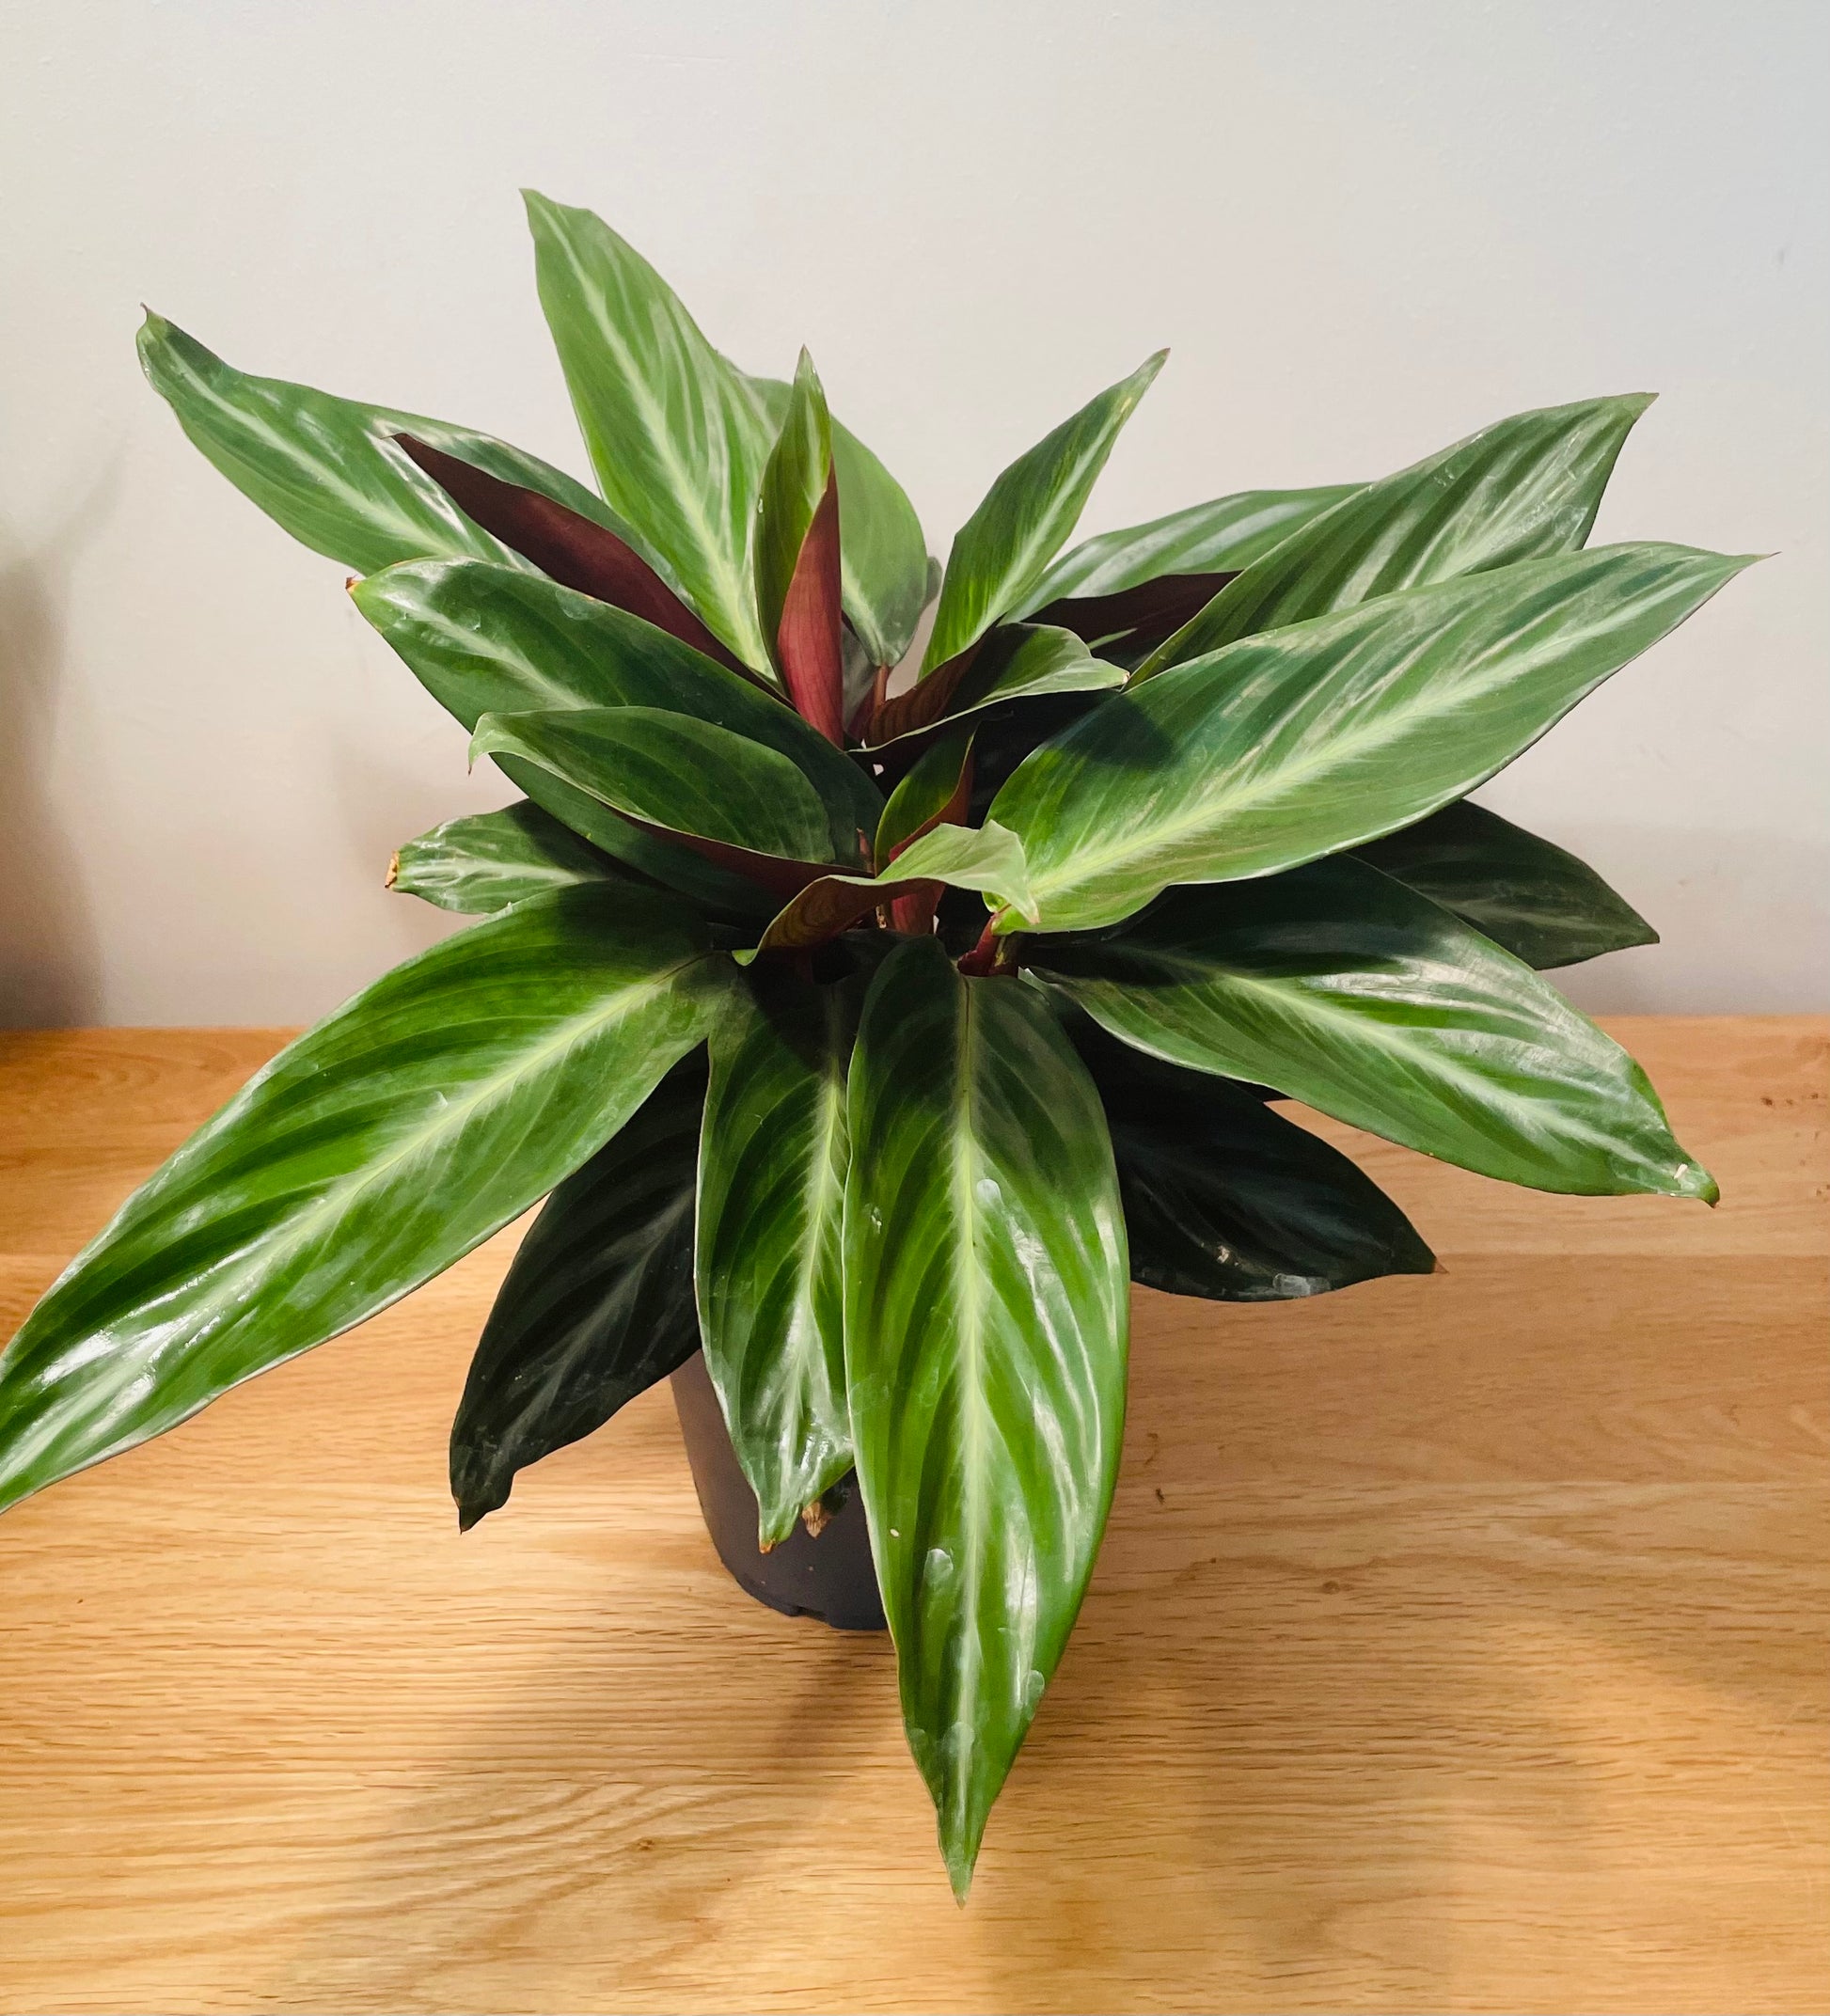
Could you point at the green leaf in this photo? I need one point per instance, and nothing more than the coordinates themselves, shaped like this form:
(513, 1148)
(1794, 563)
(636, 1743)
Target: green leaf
(1217, 538)
(489, 860)
(798, 558)
(1325, 735)
(935, 789)
(1016, 662)
(1000, 553)
(1540, 902)
(1228, 1200)
(485, 640)
(670, 771)
(1520, 489)
(985, 858)
(884, 565)
(597, 1304)
(328, 471)
(674, 434)
(986, 1326)
(771, 1210)
(1343, 988)
(371, 1154)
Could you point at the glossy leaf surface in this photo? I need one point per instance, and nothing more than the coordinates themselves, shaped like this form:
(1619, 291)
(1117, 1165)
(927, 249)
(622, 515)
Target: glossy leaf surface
(1001, 550)
(1343, 988)
(986, 858)
(884, 566)
(1228, 1200)
(1325, 735)
(1520, 489)
(597, 1304)
(986, 1331)
(1015, 662)
(489, 860)
(797, 558)
(566, 546)
(486, 640)
(329, 470)
(676, 439)
(1219, 537)
(369, 1155)
(670, 771)
(771, 1214)
(1538, 901)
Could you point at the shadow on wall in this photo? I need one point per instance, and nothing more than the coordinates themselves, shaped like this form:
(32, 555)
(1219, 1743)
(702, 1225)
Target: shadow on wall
(50, 960)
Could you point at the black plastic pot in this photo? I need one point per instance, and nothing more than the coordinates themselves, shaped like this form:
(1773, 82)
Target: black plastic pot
(829, 1576)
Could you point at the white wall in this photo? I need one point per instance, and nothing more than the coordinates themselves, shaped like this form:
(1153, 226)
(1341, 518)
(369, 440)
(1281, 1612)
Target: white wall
(1365, 229)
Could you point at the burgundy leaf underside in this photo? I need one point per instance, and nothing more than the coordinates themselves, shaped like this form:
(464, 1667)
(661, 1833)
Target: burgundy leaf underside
(912, 910)
(1143, 615)
(807, 639)
(827, 908)
(572, 549)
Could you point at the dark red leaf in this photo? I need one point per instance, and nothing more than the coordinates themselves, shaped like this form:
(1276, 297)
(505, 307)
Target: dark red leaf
(924, 702)
(806, 641)
(1143, 615)
(828, 908)
(574, 550)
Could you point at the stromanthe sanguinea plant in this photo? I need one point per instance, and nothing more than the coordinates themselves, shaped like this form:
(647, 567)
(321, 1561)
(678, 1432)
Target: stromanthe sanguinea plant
(871, 1019)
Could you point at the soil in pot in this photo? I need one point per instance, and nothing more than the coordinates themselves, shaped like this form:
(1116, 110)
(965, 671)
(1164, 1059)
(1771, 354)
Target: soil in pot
(826, 1575)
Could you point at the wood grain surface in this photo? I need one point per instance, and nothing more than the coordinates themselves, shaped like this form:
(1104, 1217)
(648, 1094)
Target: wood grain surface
(1458, 1645)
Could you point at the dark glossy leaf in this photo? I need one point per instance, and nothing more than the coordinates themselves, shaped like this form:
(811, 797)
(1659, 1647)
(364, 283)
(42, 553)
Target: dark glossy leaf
(485, 640)
(329, 470)
(986, 1329)
(1326, 735)
(597, 1304)
(1000, 553)
(1540, 902)
(1343, 988)
(489, 860)
(567, 546)
(676, 775)
(1226, 1200)
(884, 565)
(986, 858)
(1520, 489)
(1222, 536)
(675, 437)
(371, 1154)
(771, 1211)
(796, 559)
(1015, 662)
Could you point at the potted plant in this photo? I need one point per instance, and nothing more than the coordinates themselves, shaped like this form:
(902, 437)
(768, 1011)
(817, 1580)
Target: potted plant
(871, 1039)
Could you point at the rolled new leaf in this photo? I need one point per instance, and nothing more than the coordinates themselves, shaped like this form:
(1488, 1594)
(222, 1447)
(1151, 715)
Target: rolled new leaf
(1226, 1200)
(676, 437)
(1221, 537)
(487, 861)
(367, 1157)
(796, 559)
(883, 563)
(1000, 553)
(596, 1307)
(1520, 489)
(986, 1329)
(772, 1163)
(1343, 988)
(330, 470)
(1326, 735)
(1538, 901)
(487, 641)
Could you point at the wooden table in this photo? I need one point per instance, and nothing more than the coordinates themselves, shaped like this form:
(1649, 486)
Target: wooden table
(1458, 1645)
